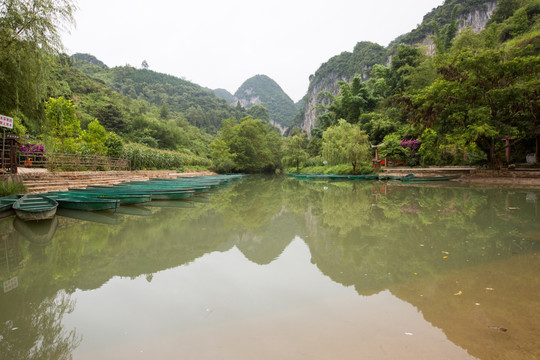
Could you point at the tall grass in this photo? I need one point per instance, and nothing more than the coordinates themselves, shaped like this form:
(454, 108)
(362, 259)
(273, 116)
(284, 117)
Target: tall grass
(11, 188)
(142, 157)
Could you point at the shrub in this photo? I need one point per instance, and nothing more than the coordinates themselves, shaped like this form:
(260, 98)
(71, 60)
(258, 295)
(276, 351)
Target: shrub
(11, 188)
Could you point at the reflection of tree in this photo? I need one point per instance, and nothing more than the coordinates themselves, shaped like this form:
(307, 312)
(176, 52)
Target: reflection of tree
(346, 208)
(37, 331)
(373, 235)
(249, 205)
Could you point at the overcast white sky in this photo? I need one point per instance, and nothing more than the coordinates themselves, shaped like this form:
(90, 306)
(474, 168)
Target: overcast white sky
(222, 43)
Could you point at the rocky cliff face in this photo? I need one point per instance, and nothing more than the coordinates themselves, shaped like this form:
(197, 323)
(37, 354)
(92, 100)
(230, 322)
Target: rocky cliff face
(329, 83)
(247, 98)
(476, 19)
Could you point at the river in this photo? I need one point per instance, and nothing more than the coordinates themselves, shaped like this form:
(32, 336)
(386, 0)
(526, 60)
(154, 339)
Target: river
(278, 268)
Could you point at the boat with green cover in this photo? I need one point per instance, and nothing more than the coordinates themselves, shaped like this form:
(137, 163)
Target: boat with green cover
(6, 202)
(85, 204)
(156, 194)
(33, 207)
(160, 187)
(125, 199)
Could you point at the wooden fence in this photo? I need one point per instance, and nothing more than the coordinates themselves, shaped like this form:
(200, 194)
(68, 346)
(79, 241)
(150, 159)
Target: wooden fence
(73, 162)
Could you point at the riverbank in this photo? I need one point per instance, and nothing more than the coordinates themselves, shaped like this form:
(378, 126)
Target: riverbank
(472, 175)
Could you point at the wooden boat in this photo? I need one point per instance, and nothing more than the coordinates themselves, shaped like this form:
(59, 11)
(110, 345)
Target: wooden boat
(124, 198)
(6, 202)
(173, 183)
(159, 187)
(32, 207)
(85, 204)
(39, 232)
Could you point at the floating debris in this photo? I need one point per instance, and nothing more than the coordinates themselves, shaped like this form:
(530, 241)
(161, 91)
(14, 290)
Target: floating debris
(512, 208)
(490, 289)
(459, 293)
(498, 328)
(409, 334)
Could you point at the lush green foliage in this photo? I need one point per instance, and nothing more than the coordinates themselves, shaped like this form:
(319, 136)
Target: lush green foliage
(29, 37)
(280, 106)
(342, 169)
(460, 104)
(345, 143)
(62, 125)
(295, 150)
(249, 143)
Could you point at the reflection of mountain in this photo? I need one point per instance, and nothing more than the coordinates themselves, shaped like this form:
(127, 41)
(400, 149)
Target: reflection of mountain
(265, 248)
(493, 295)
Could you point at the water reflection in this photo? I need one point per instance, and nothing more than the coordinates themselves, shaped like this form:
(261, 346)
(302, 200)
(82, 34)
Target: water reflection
(422, 244)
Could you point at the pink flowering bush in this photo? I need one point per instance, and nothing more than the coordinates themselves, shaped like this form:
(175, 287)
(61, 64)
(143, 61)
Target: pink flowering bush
(32, 149)
(411, 147)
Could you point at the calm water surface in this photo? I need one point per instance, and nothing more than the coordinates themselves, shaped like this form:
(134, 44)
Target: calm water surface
(275, 268)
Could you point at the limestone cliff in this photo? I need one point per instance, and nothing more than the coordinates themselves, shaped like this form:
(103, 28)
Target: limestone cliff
(473, 13)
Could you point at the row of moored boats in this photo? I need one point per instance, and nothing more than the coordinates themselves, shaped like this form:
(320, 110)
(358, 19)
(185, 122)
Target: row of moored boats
(33, 207)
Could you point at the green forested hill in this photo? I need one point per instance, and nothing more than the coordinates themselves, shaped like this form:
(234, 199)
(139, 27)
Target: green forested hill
(225, 95)
(260, 89)
(200, 107)
(135, 120)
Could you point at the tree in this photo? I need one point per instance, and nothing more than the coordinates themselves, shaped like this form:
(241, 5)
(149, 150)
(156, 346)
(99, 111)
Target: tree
(482, 95)
(144, 65)
(114, 145)
(94, 139)
(29, 35)
(111, 117)
(295, 150)
(353, 100)
(62, 126)
(259, 111)
(346, 143)
(221, 156)
(254, 146)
